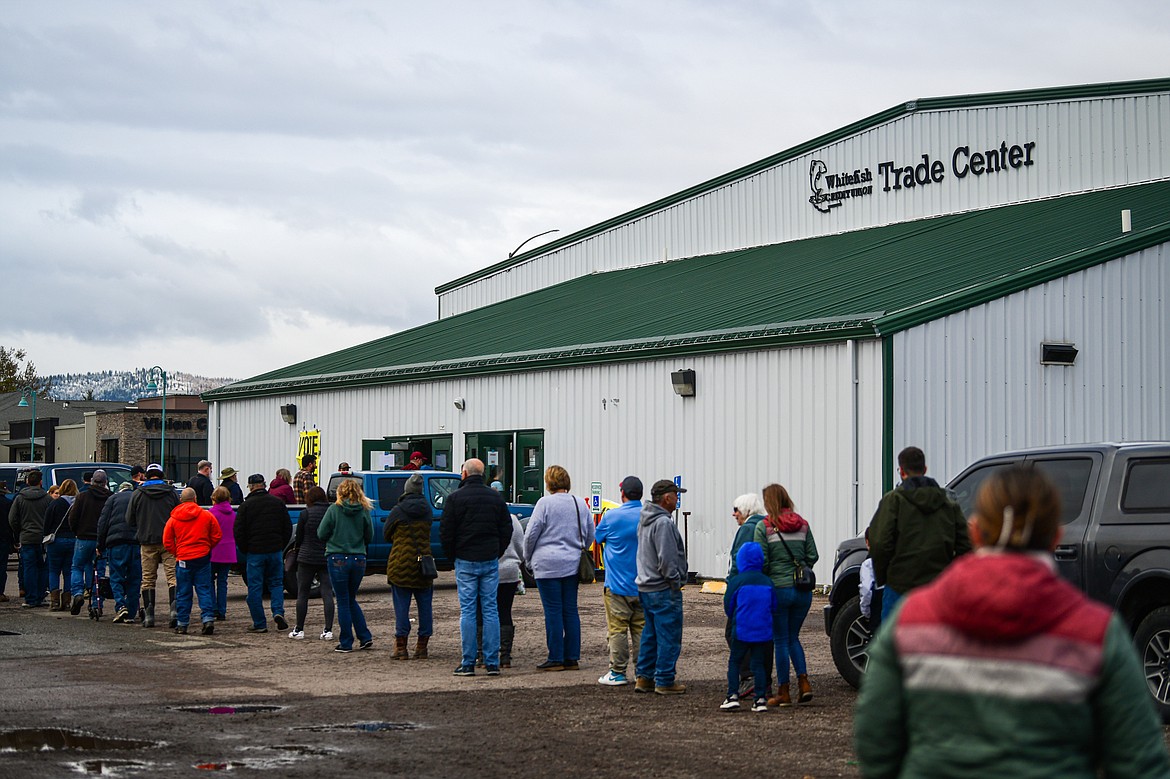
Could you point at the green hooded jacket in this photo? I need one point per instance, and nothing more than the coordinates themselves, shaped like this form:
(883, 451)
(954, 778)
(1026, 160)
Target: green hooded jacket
(915, 533)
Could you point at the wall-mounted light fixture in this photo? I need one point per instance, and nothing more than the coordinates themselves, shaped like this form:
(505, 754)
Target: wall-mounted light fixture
(289, 413)
(1058, 354)
(683, 382)
(460, 403)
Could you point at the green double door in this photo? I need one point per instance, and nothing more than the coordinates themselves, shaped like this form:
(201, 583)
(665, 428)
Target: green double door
(514, 459)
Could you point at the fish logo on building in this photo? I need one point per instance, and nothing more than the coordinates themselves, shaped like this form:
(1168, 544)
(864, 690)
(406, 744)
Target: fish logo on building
(820, 200)
(842, 186)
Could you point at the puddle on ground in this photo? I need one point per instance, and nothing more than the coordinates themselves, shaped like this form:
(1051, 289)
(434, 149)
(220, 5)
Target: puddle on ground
(51, 739)
(111, 767)
(236, 709)
(291, 755)
(361, 727)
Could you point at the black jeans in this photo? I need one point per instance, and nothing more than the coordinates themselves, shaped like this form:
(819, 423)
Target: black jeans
(305, 574)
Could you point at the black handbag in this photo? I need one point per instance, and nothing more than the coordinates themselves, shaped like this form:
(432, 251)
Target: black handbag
(586, 570)
(290, 560)
(427, 567)
(804, 579)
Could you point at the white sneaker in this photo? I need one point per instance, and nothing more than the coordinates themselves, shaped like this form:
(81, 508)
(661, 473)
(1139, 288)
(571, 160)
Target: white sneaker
(297, 634)
(326, 635)
(731, 704)
(612, 679)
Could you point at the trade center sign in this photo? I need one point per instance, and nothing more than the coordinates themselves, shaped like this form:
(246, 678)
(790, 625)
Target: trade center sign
(830, 189)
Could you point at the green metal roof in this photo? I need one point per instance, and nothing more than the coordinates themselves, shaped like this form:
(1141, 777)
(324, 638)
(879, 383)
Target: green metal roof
(1081, 92)
(859, 284)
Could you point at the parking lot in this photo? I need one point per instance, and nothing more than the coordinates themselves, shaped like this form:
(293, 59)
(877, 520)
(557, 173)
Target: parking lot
(204, 701)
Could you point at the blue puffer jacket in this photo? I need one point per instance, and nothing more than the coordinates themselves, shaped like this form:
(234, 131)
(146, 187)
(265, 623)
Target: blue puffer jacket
(750, 597)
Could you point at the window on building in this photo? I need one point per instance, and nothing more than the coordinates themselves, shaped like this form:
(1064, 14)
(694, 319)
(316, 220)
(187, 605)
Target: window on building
(183, 455)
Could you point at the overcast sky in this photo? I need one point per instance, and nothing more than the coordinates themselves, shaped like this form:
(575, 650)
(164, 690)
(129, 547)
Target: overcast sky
(229, 187)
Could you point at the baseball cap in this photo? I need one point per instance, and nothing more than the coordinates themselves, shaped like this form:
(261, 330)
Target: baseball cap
(664, 487)
(99, 477)
(417, 456)
(154, 468)
(256, 478)
(136, 470)
(631, 487)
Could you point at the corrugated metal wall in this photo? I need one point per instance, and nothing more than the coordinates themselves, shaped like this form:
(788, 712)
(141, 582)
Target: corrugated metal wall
(971, 384)
(783, 415)
(1080, 145)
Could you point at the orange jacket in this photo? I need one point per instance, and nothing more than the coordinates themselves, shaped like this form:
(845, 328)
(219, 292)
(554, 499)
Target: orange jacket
(191, 532)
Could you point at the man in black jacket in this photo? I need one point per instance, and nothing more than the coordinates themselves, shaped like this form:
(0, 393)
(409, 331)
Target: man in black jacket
(147, 512)
(201, 483)
(83, 521)
(263, 529)
(118, 544)
(475, 531)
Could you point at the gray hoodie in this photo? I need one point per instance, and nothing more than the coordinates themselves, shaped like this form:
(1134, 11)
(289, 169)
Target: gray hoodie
(662, 562)
(27, 515)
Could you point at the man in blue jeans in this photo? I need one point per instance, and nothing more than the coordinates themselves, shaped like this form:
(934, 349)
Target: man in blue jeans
(118, 544)
(662, 572)
(26, 518)
(263, 528)
(83, 521)
(475, 531)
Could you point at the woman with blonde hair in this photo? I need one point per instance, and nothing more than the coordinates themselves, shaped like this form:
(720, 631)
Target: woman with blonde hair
(347, 530)
(999, 666)
(560, 527)
(788, 542)
(59, 553)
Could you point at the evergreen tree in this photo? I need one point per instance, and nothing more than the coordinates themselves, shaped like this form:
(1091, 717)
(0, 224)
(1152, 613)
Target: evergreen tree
(14, 376)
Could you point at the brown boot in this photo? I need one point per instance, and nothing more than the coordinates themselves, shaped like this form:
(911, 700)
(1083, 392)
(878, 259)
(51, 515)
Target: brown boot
(782, 697)
(400, 652)
(805, 688)
(55, 600)
(420, 647)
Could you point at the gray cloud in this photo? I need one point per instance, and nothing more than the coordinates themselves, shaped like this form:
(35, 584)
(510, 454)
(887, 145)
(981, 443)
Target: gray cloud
(300, 176)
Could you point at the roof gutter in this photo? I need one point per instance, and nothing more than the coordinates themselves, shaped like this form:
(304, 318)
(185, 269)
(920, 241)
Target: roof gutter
(759, 337)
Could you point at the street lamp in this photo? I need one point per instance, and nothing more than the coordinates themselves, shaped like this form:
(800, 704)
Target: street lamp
(30, 392)
(512, 253)
(152, 387)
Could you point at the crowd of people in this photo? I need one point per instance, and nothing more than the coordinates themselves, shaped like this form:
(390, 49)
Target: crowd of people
(979, 659)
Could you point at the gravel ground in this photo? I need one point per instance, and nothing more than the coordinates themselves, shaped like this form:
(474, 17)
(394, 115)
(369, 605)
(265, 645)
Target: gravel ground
(367, 714)
(124, 682)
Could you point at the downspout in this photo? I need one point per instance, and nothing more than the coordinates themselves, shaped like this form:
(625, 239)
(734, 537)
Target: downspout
(887, 413)
(218, 433)
(855, 415)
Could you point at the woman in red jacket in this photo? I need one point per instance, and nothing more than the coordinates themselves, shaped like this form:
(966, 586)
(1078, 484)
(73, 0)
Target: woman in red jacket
(190, 535)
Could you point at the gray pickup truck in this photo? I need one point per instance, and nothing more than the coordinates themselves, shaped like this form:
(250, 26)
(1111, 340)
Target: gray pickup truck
(1115, 547)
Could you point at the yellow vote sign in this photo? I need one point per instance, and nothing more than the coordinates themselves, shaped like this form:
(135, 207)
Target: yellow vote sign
(310, 443)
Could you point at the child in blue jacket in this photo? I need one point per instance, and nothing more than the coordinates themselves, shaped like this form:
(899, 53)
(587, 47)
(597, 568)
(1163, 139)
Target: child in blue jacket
(749, 603)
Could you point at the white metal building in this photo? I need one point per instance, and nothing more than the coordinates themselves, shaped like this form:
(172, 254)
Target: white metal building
(914, 278)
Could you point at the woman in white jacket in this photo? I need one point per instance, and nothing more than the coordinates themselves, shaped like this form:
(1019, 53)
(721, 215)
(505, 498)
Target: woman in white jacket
(561, 526)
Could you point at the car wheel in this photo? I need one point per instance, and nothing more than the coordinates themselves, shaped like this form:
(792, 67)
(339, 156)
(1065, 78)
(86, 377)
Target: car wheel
(850, 642)
(1153, 644)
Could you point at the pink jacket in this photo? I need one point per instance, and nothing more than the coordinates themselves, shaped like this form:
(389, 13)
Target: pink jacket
(225, 550)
